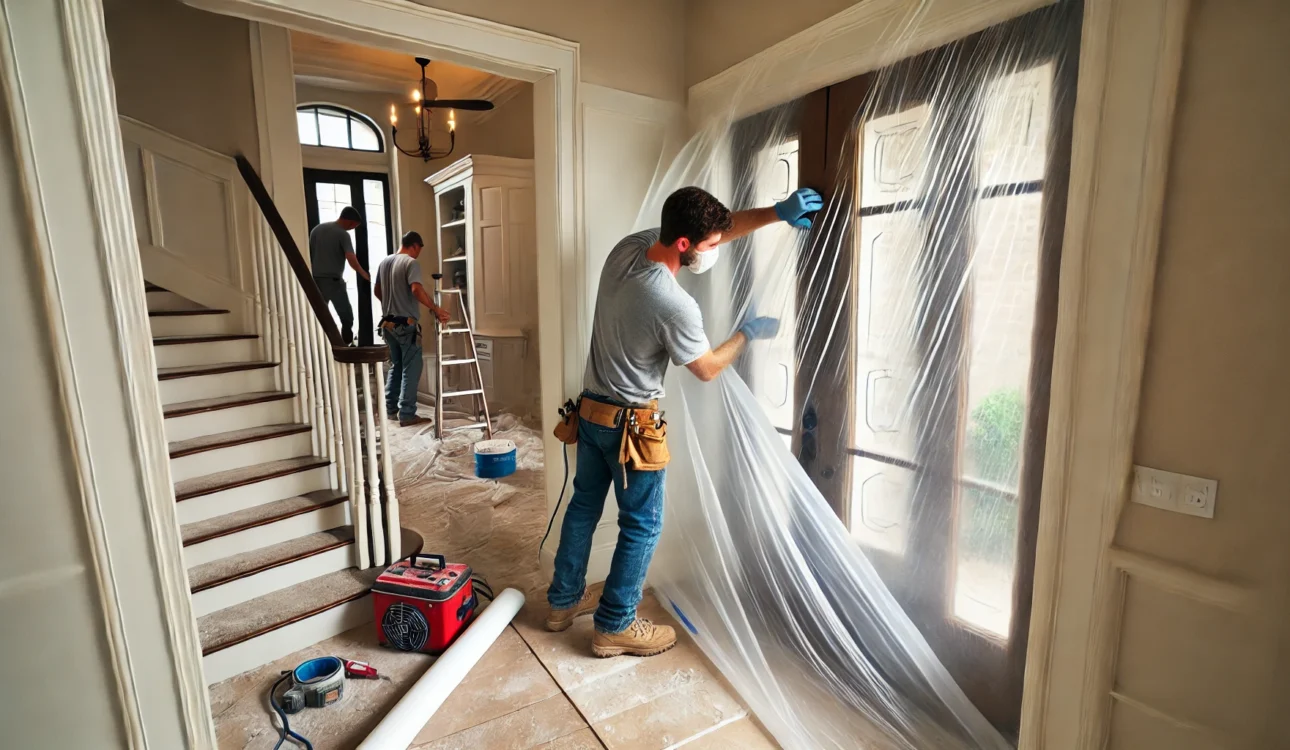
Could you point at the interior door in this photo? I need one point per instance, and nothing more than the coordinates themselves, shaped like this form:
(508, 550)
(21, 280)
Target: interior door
(921, 416)
(328, 192)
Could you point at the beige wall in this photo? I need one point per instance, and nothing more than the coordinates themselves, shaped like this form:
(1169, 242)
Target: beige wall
(184, 71)
(720, 33)
(1216, 394)
(633, 45)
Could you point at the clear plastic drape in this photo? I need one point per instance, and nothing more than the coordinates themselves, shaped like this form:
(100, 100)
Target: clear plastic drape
(845, 514)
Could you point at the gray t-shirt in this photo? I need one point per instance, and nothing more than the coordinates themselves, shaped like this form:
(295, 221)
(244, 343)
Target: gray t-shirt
(643, 319)
(328, 244)
(396, 275)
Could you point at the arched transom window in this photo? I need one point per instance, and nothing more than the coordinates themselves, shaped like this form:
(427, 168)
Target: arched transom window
(334, 127)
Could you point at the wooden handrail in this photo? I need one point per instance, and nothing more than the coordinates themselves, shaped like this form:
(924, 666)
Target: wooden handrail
(303, 275)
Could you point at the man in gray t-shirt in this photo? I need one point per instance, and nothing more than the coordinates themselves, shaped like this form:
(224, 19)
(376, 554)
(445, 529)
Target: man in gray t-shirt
(329, 251)
(399, 288)
(644, 320)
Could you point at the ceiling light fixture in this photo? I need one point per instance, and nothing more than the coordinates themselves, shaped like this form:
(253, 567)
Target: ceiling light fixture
(423, 108)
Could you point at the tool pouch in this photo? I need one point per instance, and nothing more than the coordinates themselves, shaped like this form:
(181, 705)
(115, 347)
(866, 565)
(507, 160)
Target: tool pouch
(566, 430)
(645, 441)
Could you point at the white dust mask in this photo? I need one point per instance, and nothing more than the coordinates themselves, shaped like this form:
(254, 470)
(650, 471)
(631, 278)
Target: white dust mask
(705, 261)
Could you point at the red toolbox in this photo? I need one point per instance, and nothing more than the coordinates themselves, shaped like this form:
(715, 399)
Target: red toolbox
(423, 603)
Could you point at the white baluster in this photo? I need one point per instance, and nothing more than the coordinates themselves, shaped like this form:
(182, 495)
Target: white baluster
(373, 476)
(335, 372)
(357, 493)
(393, 534)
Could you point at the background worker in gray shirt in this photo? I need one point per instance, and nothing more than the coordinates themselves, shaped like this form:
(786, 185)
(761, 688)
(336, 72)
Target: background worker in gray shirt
(398, 287)
(329, 250)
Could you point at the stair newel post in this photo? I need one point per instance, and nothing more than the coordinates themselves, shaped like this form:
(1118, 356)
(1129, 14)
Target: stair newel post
(373, 475)
(392, 535)
(354, 461)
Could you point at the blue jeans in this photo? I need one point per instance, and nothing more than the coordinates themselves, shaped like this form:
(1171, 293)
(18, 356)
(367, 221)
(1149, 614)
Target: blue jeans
(640, 520)
(405, 371)
(334, 291)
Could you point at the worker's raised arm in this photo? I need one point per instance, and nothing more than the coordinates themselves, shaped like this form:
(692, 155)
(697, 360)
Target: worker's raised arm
(709, 365)
(793, 209)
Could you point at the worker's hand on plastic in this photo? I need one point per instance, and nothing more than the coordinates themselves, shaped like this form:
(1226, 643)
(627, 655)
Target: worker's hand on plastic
(794, 208)
(760, 328)
(441, 314)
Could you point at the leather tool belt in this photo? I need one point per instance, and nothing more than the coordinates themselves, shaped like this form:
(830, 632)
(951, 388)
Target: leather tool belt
(390, 322)
(644, 443)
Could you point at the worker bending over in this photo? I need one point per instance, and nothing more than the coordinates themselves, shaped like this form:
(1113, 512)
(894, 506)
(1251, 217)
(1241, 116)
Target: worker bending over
(398, 287)
(643, 319)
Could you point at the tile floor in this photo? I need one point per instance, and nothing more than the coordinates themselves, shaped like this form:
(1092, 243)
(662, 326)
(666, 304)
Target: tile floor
(533, 689)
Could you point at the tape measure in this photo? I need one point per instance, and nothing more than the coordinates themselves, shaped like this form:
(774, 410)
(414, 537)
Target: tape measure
(315, 683)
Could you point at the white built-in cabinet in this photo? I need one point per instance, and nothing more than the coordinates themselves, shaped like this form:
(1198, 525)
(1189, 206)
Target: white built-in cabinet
(487, 245)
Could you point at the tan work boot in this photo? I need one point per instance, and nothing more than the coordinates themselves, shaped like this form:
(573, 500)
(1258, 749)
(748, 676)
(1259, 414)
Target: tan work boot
(558, 620)
(641, 638)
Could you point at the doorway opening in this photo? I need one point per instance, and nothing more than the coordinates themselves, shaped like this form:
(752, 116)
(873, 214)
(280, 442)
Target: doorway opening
(327, 193)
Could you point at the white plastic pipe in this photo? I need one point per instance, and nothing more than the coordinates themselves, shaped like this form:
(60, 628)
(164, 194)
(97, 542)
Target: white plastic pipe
(402, 724)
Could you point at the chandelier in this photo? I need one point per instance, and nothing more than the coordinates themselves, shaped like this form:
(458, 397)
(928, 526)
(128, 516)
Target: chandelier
(423, 107)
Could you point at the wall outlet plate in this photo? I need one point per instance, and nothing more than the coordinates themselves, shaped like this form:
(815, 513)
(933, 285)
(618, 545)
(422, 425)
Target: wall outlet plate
(1180, 493)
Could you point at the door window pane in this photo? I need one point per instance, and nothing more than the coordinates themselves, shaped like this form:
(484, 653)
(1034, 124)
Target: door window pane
(774, 369)
(1014, 127)
(889, 243)
(1004, 283)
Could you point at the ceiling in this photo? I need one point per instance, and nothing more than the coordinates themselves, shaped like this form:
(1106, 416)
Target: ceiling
(334, 64)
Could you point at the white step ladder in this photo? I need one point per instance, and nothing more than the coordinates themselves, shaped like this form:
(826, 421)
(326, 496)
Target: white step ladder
(457, 328)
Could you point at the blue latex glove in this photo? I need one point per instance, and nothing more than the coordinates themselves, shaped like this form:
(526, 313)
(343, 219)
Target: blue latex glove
(760, 328)
(794, 208)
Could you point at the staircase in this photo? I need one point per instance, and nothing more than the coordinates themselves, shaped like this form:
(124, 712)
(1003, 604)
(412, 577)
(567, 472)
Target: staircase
(268, 540)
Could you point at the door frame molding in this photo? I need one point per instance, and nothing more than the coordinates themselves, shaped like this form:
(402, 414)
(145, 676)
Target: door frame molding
(550, 64)
(1130, 61)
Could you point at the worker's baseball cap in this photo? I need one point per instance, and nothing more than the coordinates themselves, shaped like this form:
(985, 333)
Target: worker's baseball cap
(413, 239)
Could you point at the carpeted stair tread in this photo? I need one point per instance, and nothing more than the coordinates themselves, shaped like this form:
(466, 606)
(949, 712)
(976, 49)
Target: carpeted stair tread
(201, 338)
(234, 567)
(259, 515)
(190, 371)
(200, 405)
(242, 476)
(184, 313)
(242, 622)
(180, 448)
(233, 625)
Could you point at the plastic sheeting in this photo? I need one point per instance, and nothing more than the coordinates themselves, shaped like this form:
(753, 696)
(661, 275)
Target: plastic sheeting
(912, 322)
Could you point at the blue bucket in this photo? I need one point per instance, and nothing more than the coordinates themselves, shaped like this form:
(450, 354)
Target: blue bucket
(494, 459)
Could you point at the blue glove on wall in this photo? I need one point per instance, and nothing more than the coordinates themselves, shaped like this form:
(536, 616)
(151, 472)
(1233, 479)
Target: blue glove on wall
(760, 328)
(794, 208)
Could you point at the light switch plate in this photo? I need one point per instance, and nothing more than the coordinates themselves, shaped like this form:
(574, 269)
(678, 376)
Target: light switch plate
(1180, 493)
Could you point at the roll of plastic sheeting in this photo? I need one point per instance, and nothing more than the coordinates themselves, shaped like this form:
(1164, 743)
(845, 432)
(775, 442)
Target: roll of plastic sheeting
(401, 725)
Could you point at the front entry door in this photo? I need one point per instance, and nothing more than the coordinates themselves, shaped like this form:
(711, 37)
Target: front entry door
(328, 192)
